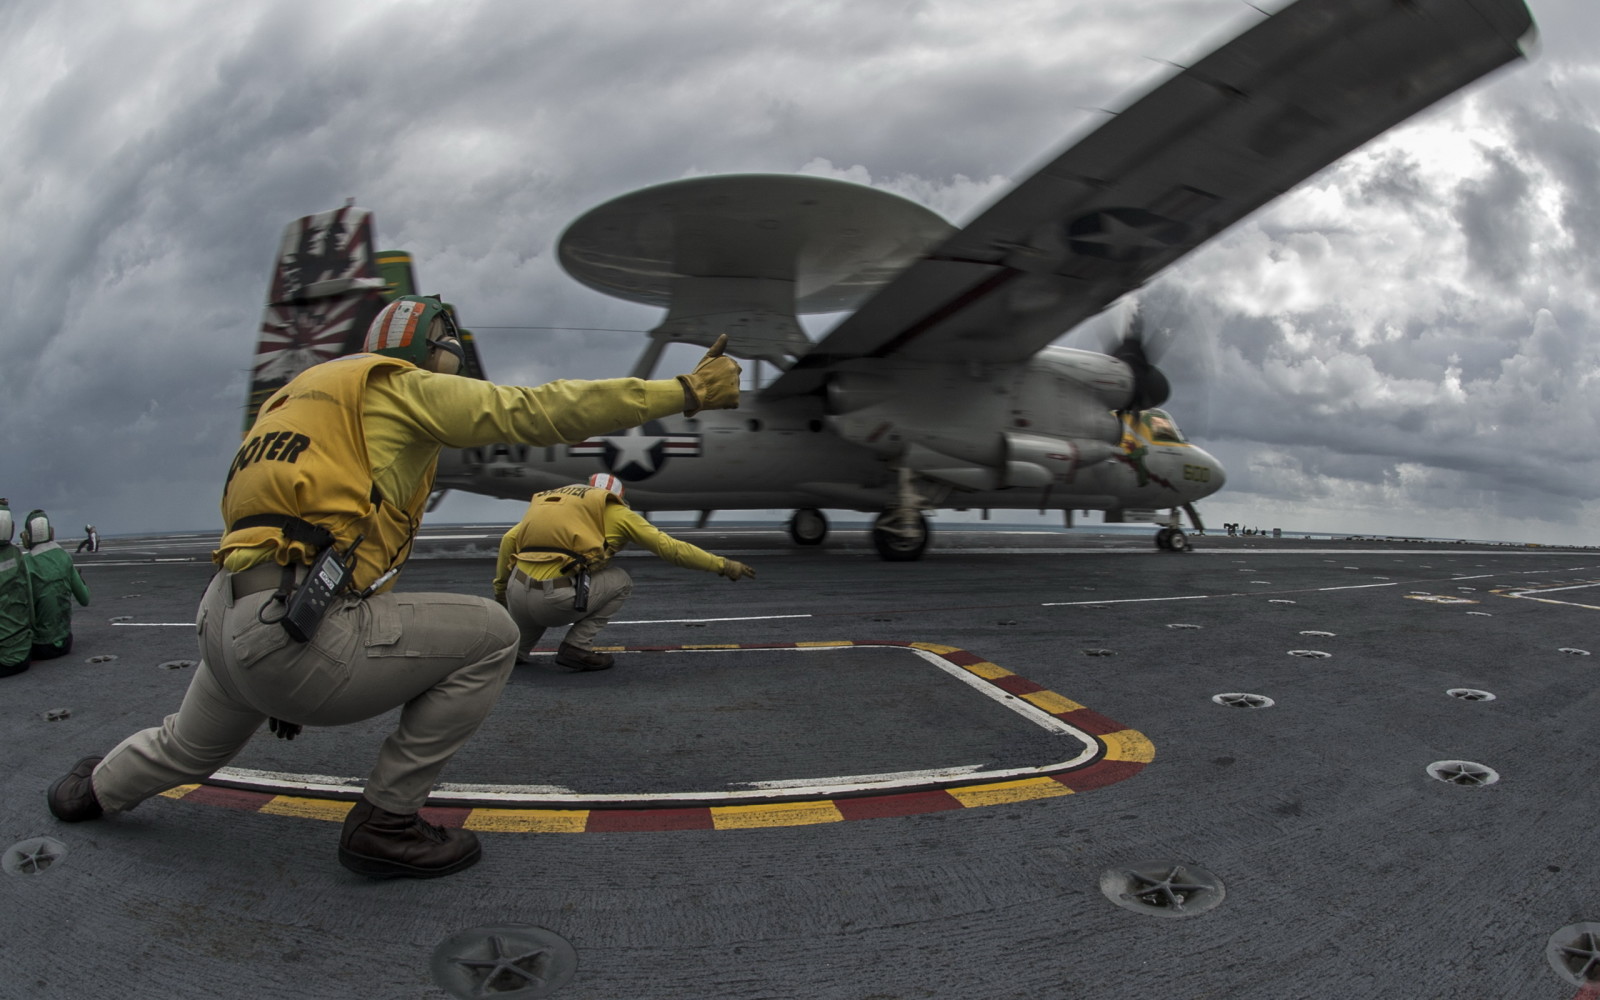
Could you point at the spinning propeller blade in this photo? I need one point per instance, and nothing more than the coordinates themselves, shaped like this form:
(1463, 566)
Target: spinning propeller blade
(1150, 386)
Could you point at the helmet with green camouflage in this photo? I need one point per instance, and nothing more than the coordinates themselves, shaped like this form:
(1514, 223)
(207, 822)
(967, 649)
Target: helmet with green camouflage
(411, 328)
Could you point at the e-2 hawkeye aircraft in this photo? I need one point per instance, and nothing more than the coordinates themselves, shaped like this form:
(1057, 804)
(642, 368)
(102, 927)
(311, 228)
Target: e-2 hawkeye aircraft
(942, 388)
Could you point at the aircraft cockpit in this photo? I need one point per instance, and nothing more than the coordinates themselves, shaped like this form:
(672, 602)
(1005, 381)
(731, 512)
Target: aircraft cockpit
(1161, 428)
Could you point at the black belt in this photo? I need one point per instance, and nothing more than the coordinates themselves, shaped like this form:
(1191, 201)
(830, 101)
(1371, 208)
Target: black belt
(550, 584)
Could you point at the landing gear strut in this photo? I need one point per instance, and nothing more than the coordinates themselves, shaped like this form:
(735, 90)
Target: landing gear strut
(900, 534)
(1171, 537)
(808, 526)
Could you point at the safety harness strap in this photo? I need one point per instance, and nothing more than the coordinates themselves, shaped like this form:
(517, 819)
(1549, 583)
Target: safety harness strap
(579, 561)
(295, 529)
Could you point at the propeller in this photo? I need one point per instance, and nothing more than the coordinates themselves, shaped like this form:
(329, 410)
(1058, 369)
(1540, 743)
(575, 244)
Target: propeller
(1134, 349)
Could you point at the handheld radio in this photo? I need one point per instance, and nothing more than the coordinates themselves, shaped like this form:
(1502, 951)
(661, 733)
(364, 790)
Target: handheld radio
(329, 574)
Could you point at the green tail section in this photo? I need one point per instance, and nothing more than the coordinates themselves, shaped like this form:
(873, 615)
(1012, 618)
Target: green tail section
(398, 277)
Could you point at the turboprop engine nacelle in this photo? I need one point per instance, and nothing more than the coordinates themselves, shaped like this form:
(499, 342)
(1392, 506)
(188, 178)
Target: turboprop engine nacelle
(1108, 380)
(1025, 460)
(965, 427)
(1036, 460)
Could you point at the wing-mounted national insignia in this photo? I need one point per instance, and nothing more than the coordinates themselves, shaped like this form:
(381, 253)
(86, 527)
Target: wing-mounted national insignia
(1124, 234)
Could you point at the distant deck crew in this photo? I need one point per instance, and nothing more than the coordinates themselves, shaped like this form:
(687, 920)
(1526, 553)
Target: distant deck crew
(16, 602)
(91, 539)
(56, 584)
(336, 470)
(555, 565)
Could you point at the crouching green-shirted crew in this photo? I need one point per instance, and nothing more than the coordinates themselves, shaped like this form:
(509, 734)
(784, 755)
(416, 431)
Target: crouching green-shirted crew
(16, 602)
(56, 584)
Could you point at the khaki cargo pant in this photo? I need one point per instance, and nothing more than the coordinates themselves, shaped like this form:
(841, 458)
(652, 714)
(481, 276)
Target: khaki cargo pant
(535, 609)
(444, 657)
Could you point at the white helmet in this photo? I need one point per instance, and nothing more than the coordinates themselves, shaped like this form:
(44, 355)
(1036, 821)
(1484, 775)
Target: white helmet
(608, 482)
(6, 524)
(36, 529)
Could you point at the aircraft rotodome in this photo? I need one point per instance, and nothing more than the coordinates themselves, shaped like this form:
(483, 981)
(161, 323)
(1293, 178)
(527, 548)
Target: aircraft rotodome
(942, 389)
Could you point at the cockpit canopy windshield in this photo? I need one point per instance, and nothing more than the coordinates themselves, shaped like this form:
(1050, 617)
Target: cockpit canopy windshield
(1162, 428)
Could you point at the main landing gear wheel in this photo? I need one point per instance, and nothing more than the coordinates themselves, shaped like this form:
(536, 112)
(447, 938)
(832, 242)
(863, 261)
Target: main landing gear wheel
(900, 537)
(1172, 539)
(808, 526)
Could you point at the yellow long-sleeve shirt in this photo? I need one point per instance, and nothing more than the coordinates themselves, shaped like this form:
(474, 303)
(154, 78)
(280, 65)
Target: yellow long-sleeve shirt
(622, 525)
(408, 415)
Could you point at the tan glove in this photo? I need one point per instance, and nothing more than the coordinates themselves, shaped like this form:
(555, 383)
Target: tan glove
(736, 570)
(714, 383)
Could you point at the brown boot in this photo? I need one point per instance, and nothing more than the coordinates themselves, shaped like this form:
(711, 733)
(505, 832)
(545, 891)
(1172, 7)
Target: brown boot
(569, 655)
(71, 797)
(382, 844)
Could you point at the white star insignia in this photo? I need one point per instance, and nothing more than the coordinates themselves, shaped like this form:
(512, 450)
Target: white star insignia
(633, 448)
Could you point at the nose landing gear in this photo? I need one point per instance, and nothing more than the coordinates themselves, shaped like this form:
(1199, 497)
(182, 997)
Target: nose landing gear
(1171, 537)
(1173, 540)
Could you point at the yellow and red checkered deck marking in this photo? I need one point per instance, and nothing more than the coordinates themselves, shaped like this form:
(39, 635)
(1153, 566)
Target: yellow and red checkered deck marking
(1123, 753)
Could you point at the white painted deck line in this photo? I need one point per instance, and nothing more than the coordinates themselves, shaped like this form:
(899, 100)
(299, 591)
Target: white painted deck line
(281, 783)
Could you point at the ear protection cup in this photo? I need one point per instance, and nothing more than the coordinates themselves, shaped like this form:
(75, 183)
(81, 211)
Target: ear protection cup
(36, 529)
(444, 343)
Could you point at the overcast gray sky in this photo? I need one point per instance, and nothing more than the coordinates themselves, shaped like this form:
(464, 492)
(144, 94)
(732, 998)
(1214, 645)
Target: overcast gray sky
(1404, 344)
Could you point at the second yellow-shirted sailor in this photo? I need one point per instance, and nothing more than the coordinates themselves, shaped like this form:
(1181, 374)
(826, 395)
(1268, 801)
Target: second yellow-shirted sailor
(575, 528)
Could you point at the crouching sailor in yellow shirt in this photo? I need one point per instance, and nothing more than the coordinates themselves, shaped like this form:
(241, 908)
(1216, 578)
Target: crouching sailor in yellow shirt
(555, 565)
(342, 458)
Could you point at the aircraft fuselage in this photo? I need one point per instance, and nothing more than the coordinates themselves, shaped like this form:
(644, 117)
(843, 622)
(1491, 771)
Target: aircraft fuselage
(1036, 435)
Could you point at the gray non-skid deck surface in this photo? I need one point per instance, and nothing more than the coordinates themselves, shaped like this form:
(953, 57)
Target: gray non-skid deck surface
(710, 720)
(1349, 872)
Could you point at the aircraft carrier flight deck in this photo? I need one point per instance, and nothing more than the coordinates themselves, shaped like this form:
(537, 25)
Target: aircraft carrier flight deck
(1031, 764)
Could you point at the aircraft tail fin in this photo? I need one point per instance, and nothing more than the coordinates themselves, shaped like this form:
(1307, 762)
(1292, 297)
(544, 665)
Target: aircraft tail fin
(327, 285)
(325, 290)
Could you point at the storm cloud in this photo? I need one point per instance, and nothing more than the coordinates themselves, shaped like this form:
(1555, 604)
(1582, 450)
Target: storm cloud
(1404, 344)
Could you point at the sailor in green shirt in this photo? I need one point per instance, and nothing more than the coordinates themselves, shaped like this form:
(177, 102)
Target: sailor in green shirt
(55, 583)
(16, 602)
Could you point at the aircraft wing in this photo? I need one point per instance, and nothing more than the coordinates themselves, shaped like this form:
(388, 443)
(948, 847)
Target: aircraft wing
(1197, 154)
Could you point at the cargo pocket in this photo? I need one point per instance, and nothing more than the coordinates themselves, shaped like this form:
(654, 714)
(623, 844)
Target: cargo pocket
(257, 640)
(431, 626)
(383, 628)
(293, 680)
